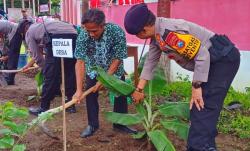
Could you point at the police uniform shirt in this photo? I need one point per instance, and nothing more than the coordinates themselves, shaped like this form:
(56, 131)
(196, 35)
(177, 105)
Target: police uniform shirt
(201, 61)
(8, 28)
(35, 35)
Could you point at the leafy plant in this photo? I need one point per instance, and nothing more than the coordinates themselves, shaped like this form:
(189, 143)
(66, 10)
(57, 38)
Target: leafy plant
(241, 125)
(12, 132)
(175, 91)
(39, 86)
(113, 84)
(172, 115)
(235, 123)
(158, 81)
(39, 82)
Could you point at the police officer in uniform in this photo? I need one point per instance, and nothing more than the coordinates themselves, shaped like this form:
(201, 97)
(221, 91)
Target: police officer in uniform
(13, 41)
(41, 35)
(213, 58)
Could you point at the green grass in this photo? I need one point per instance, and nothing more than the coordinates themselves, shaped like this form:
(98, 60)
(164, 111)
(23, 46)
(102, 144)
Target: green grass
(242, 97)
(236, 123)
(178, 90)
(231, 122)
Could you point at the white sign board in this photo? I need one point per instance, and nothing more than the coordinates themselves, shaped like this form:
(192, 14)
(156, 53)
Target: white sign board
(44, 8)
(62, 48)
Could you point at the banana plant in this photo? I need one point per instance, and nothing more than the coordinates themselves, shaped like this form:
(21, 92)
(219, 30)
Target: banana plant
(169, 116)
(12, 133)
(39, 85)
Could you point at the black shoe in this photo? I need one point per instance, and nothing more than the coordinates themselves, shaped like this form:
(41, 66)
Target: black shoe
(207, 148)
(192, 149)
(10, 82)
(89, 131)
(36, 111)
(124, 129)
(211, 149)
(71, 109)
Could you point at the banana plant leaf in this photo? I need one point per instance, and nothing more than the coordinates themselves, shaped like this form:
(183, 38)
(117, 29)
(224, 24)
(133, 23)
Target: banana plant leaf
(39, 82)
(123, 119)
(139, 135)
(140, 109)
(180, 128)
(113, 84)
(39, 78)
(179, 109)
(159, 80)
(160, 141)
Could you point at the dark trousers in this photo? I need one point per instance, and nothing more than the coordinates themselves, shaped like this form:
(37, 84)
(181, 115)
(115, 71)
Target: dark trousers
(13, 56)
(203, 130)
(52, 74)
(120, 104)
(52, 80)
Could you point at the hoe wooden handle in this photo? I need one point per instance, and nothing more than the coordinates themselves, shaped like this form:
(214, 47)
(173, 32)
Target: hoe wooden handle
(73, 101)
(15, 71)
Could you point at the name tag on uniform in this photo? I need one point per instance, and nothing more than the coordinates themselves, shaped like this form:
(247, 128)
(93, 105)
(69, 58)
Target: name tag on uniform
(62, 48)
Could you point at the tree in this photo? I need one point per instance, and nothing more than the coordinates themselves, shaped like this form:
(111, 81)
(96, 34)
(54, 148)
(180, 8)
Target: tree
(12, 3)
(85, 6)
(55, 2)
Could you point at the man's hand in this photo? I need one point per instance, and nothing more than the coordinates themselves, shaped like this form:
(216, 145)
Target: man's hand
(4, 58)
(25, 69)
(77, 96)
(197, 99)
(137, 96)
(98, 87)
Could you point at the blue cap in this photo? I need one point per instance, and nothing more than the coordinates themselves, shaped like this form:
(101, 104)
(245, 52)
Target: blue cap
(136, 18)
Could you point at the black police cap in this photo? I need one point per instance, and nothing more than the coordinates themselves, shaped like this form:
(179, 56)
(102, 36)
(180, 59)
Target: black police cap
(136, 18)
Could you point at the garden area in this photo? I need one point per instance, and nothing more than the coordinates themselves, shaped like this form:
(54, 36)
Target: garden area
(161, 119)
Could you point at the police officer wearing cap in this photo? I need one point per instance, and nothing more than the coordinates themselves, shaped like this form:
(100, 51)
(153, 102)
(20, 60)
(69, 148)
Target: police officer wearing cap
(13, 36)
(213, 58)
(8, 36)
(51, 66)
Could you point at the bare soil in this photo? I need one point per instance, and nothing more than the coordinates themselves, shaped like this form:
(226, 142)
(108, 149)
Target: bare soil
(105, 139)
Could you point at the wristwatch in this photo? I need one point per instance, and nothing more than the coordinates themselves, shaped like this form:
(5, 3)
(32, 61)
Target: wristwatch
(196, 84)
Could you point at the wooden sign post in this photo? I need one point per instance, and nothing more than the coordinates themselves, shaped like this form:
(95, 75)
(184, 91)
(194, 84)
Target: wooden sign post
(63, 48)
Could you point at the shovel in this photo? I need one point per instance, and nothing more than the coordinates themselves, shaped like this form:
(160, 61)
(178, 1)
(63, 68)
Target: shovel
(15, 71)
(42, 125)
(3, 82)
